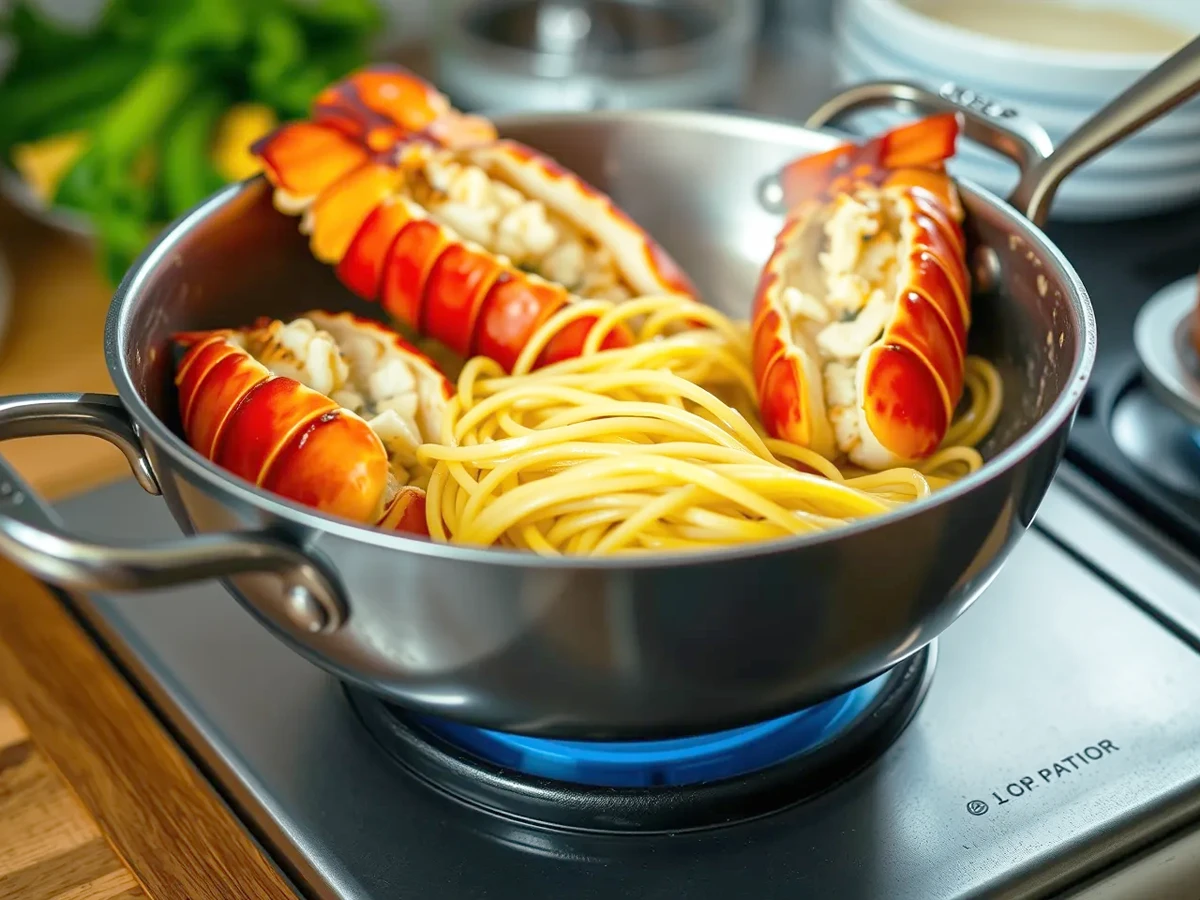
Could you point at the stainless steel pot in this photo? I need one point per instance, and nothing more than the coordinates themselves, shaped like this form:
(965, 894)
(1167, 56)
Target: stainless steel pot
(599, 648)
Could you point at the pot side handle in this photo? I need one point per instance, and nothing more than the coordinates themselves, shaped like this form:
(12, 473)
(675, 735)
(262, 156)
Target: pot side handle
(1001, 128)
(57, 557)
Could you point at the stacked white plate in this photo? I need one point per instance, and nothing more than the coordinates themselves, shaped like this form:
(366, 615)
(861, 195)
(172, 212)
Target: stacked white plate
(1058, 86)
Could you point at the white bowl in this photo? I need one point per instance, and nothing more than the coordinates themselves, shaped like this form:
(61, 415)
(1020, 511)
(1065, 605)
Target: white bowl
(1010, 65)
(1154, 170)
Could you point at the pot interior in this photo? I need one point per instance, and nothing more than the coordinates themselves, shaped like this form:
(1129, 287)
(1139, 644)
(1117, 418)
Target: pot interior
(689, 179)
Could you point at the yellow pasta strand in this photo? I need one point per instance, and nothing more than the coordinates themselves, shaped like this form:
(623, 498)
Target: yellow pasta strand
(656, 447)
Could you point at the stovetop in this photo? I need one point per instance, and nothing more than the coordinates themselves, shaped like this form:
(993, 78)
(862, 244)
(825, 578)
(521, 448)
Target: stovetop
(1122, 267)
(1056, 751)
(1058, 738)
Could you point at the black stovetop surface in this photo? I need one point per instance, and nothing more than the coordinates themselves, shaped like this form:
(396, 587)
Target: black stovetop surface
(1122, 265)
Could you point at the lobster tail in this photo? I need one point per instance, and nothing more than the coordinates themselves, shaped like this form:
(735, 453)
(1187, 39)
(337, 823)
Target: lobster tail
(467, 239)
(861, 317)
(271, 403)
(904, 155)
(384, 105)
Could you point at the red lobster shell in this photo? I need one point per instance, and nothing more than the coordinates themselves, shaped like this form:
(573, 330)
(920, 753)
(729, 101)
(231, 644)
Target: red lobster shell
(271, 403)
(424, 210)
(861, 316)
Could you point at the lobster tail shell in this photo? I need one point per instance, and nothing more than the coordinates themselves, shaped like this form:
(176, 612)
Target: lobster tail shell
(406, 512)
(383, 105)
(895, 400)
(287, 438)
(910, 155)
(349, 171)
(278, 434)
(302, 159)
(338, 212)
(360, 119)
(787, 372)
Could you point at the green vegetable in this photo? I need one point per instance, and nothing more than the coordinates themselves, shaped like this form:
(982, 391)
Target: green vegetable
(151, 80)
(300, 49)
(104, 181)
(188, 176)
(144, 108)
(132, 122)
(216, 28)
(123, 233)
(33, 107)
(135, 23)
(279, 49)
(42, 45)
(347, 16)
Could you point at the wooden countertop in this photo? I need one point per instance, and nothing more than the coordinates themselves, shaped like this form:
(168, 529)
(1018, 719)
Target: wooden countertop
(73, 824)
(55, 343)
(49, 846)
(97, 802)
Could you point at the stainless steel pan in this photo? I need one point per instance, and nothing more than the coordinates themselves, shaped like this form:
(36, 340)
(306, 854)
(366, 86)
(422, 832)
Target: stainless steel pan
(587, 648)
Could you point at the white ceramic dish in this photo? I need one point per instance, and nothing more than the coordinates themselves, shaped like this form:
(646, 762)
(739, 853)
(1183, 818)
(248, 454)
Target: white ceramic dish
(1029, 68)
(1156, 170)
(1163, 336)
(866, 47)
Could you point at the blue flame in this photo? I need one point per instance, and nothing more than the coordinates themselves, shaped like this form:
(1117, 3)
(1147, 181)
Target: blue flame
(681, 761)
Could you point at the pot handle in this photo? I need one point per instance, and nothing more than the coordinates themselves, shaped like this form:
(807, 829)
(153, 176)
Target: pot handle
(29, 539)
(1001, 128)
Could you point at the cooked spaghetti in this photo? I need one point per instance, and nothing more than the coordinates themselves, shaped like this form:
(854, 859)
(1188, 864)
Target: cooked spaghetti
(655, 447)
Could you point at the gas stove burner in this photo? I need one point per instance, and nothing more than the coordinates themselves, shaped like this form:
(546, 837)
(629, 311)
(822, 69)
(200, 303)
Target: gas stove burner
(683, 761)
(667, 785)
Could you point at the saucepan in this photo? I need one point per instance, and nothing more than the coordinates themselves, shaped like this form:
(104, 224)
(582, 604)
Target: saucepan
(643, 647)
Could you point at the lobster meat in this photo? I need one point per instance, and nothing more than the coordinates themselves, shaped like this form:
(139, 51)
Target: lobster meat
(463, 237)
(861, 314)
(326, 410)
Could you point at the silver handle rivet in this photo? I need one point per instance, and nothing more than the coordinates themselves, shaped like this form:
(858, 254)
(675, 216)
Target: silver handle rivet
(304, 610)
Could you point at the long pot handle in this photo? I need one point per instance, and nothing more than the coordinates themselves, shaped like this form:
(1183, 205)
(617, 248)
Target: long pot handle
(1001, 128)
(27, 538)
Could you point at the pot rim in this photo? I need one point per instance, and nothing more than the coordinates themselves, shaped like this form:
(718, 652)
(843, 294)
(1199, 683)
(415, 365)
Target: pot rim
(117, 336)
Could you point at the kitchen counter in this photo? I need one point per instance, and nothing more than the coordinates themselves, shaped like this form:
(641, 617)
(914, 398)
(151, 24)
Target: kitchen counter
(55, 343)
(80, 728)
(97, 801)
(49, 846)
